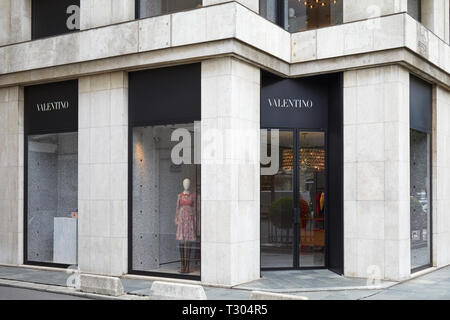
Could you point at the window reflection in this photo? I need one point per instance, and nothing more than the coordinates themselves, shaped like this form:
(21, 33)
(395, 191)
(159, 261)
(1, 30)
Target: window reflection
(420, 199)
(52, 194)
(296, 16)
(414, 9)
(312, 187)
(151, 8)
(166, 200)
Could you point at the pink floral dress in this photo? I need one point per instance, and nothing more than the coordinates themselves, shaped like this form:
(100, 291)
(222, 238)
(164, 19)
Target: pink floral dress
(185, 217)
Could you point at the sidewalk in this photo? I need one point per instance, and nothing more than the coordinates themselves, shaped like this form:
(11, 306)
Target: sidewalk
(314, 284)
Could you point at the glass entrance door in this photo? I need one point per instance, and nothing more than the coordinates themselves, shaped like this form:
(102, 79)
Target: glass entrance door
(293, 199)
(312, 188)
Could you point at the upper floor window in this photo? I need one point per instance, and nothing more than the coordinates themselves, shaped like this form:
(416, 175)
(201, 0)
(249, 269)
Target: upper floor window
(301, 15)
(415, 9)
(54, 17)
(151, 8)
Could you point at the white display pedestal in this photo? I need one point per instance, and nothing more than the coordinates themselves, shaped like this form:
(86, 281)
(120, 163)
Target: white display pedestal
(65, 241)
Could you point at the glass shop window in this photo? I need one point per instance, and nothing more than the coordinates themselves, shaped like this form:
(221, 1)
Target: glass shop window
(166, 199)
(421, 112)
(295, 16)
(51, 17)
(269, 9)
(420, 144)
(151, 8)
(415, 9)
(52, 189)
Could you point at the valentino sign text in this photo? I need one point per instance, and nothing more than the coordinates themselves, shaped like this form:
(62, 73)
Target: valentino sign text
(52, 106)
(290, 103)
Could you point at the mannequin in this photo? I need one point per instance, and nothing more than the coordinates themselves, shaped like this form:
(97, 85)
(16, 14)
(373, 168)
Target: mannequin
(184, 219)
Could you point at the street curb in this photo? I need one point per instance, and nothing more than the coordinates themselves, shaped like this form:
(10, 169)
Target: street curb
(65, 290)
(294, 290)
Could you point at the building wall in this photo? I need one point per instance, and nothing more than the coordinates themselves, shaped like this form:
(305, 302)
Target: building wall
(15, 21)
(441, 177)
(102, 173)
(230, 172)
(11, 171)
(376, 123)
(376, 173)
(357, 10)
(435, 15)
(104, 12)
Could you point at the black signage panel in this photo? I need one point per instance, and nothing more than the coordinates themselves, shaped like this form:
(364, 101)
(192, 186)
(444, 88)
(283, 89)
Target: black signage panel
(294, 103)
(51, 107)
(54, 17)
(420, 100)
(165, 96)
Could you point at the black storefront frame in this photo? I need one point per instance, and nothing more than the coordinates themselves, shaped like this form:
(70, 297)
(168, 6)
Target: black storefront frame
(296, 198)
(134, 121)
(30, 132)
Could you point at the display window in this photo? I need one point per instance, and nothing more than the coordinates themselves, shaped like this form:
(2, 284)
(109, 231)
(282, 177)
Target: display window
(152, 8)
(165, 171)
(420, 145)
(51, 174)
(420, 173)
(51, 17)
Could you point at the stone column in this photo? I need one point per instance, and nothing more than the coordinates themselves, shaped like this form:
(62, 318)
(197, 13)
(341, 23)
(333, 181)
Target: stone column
(15, 21)
(435, 16)
(11, 173)
(230, 172)
(357, 10)
(97, 13)
(441, 177)
(376, 173)
(103, 174)
(251, 4)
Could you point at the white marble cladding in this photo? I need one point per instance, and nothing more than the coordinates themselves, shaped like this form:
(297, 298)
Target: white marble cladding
(175, 30)
(103, 173)
(384, 33)
(11, 173)
(441, 177)
(104, 12)
(376, 173)
(186, 30)
(15, 21)
(230, 171)
(435, 16)
(358, 10)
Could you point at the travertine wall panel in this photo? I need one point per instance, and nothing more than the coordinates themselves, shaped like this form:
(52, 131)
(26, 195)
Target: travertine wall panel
(11, 173)
(103, 174)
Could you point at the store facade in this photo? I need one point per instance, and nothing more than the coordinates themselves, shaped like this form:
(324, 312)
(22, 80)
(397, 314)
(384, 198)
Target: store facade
(174, 149)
